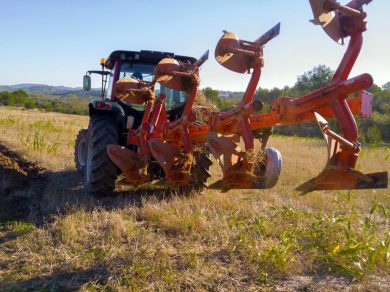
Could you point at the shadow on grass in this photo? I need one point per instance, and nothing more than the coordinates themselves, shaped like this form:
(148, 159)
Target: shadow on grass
(60, 281)
(64, 191)
(29, 193)
(31, 196)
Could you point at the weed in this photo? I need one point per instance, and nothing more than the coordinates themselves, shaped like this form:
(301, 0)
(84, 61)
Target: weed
(16, 226)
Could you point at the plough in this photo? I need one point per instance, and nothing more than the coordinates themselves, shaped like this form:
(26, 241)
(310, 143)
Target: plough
(178, 144)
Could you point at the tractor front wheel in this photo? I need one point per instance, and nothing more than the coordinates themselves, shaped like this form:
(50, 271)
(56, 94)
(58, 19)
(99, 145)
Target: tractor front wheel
(80, 151)
(99, 172)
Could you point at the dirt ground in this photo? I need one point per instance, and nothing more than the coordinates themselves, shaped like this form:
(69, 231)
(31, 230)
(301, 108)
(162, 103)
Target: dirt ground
(21, 183)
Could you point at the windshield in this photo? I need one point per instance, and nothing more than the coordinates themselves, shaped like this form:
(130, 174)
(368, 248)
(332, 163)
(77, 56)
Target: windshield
(144, 72)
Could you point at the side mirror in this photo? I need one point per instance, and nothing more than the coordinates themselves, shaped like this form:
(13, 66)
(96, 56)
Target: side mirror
(87, 83)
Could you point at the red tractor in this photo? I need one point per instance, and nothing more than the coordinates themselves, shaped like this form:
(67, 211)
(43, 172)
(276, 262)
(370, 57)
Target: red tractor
(146, 127)
(112, 119)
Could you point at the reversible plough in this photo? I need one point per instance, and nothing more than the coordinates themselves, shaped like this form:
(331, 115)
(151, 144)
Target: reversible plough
(175, 144)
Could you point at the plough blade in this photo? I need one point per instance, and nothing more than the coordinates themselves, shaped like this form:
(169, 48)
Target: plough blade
(240, 170)
(226, 57)
(339, 172)
(236, 169)
(269, 35)
(176, 165)
(132, 90)
(178, 76)
(129, 162)
(334, 177)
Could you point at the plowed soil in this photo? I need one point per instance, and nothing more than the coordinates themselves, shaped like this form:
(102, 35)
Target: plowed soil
(21, 185)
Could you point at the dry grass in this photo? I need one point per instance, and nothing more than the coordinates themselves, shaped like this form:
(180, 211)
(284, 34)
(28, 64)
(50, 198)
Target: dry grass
(239, 240)
(47, 138)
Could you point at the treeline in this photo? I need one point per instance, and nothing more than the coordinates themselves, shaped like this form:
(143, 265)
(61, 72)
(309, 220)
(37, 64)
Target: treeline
(221, 103)
(374, 130)
(17, 98)
(69, 104)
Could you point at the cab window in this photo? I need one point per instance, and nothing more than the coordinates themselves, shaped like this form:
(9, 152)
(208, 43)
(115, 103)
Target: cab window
(174, 98)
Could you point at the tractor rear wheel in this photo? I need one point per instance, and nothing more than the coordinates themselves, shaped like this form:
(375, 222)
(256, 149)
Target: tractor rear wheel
(80, 150)
(99, 172)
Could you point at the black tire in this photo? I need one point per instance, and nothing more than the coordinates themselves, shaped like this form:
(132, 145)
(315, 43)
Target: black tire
(100, 173)
(80, 150)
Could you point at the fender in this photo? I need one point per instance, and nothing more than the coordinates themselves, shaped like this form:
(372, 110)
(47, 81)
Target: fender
(107, 107)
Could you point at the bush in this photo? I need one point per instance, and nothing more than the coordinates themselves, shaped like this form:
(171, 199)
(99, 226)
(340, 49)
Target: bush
(373, 135)
(7, 98)
(29, 104)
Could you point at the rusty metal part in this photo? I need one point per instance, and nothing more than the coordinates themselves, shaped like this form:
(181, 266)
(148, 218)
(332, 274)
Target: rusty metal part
(328, 20)
(175, 75)
(169, 142)
(263, 136)
(176, 164)
(339, 172)
(237, 169)
(241, 56)
(361, 105)
(134, 91)
(241, 169)
(337, 177)
(227, 53)
(339, 21)
(132, 166)
(333, 5)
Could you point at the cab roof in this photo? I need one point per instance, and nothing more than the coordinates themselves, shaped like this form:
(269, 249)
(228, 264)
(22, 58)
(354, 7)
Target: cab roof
(144, 57)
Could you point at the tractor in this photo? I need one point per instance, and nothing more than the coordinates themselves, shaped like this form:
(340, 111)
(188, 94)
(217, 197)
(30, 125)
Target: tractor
(112, 119)
(146, 127)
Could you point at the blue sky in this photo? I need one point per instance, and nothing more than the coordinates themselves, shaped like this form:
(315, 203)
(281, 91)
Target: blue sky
(55, 42)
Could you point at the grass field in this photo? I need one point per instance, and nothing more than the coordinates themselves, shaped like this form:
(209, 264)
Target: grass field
(239, 240)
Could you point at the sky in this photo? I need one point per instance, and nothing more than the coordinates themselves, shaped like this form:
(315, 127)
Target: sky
(56, 42)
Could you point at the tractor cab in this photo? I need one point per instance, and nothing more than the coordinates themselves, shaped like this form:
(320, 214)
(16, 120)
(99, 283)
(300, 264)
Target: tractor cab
(139, 65)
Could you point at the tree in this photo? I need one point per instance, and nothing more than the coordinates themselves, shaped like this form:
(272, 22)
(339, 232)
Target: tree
(21, 97)
(386, 86)
(373, 135)
(268, 96)
(211, 94)
(375, 89)
(314, 79)
(7, 98)
(29, 104)
(47, 106)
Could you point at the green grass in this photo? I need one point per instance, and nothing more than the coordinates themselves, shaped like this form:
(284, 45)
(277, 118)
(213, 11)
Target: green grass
(239, 240)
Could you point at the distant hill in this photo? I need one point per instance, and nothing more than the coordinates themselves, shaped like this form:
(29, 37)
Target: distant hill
(64, 90)
(50, 90)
